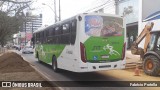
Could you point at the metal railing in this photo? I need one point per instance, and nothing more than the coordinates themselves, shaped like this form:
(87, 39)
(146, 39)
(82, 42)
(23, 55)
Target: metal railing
(2, 50)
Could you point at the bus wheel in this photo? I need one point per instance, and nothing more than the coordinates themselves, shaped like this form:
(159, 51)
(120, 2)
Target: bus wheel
(54, 64)
(151, 65)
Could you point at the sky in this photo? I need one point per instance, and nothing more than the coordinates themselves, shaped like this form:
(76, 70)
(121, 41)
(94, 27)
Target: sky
(69, 8)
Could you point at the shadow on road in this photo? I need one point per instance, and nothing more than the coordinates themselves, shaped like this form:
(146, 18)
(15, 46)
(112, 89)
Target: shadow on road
(86, 76)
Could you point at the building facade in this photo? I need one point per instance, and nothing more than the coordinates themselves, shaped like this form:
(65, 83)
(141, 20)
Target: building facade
(33, 22)
(129, 9)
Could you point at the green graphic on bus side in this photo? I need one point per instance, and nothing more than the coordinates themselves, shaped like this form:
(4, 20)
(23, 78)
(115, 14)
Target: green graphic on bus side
(104, 49)
(46, 51)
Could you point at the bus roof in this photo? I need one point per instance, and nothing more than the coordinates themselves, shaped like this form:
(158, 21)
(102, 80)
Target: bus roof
(59, 22)
(102, 14)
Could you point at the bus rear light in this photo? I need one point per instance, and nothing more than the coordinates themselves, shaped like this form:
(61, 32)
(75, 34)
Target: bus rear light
(83, 52)
(124, 51)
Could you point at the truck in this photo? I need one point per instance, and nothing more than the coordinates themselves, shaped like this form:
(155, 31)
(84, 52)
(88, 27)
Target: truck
(150, 22)
(150, 54)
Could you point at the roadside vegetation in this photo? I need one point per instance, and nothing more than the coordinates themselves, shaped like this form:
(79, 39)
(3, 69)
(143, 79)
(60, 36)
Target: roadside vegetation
(12, 17)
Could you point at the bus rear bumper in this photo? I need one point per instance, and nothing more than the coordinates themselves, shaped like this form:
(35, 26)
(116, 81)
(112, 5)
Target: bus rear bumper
(90, 67)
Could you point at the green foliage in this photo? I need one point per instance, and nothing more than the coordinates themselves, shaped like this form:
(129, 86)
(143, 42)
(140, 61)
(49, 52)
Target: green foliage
(11, 18)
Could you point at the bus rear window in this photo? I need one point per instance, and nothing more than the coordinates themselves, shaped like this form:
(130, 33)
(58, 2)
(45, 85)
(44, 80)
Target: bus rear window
(103, 26)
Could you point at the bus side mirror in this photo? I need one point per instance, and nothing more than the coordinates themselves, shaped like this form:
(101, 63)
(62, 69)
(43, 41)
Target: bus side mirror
(79, 18)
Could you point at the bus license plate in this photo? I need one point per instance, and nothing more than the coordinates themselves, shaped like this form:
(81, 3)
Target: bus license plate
(105, 56)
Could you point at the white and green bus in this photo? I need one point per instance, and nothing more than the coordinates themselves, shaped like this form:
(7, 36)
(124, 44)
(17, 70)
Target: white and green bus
(84, 43)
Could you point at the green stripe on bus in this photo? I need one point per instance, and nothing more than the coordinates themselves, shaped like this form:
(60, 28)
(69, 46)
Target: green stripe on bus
(46, 51)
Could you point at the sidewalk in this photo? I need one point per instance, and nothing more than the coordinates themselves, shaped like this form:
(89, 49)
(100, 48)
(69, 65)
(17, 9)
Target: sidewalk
(132, 60)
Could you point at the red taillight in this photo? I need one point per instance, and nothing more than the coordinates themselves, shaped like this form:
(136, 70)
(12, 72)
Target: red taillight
(123, 51)
(83, 52)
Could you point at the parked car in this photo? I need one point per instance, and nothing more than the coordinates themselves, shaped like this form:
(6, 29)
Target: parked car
(27, 49)
(17, 47)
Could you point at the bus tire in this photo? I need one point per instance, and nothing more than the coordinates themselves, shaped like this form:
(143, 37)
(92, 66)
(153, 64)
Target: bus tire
(151, 65)
(54, 64)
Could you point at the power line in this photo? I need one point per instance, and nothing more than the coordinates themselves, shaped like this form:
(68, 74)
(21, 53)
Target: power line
(108, 4)
(88, 6)
(109, 1)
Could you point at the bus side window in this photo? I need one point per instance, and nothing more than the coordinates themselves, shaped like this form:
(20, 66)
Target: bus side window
(44, 36)
(43, 39)
(53, 36)
(65, 36)
(58, 33)
(73, 31)
(65, 28)
(37, 41)
(56, 30)
(53, 31)
(60, 30)
(49, 37)
(35, 38)
(47, 34)
(41, 36)
(57, 39)
(38, 37)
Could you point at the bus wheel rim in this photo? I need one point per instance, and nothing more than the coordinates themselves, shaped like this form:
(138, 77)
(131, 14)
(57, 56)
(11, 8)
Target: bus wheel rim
(149, 65)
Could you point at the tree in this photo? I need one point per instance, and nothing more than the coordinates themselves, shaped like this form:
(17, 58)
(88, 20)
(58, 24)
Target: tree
(127, 10)
(11, 17)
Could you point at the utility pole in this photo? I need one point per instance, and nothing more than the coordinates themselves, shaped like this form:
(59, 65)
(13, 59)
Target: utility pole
(32, 28)
(20, 39)
(117, 7)
(59, 10)
(55, 11)
(25, 31)
(32, 33)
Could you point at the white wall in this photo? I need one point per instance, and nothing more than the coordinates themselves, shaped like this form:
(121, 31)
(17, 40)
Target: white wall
(147, 8)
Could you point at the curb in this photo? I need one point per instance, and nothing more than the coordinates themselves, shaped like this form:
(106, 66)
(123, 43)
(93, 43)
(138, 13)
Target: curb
(43, 75)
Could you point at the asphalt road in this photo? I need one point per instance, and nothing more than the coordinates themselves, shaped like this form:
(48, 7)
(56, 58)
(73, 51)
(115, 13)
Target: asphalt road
(71, 76)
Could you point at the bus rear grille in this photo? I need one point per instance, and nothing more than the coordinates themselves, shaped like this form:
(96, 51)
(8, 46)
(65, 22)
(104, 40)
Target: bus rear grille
(105, 66)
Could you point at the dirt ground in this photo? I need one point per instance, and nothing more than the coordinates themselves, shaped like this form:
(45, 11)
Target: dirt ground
(14, 68)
